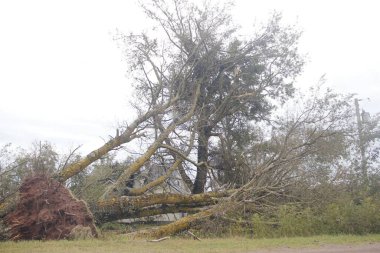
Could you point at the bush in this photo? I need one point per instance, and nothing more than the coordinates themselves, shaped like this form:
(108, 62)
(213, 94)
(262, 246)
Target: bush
(343, 217)
(352, 217)
(296, 222)
(262, 227)
(113, 226)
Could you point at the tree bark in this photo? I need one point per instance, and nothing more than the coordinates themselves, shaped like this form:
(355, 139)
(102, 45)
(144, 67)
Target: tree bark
(177, 226)
(125, 203)
(201, 176)
(106, 216)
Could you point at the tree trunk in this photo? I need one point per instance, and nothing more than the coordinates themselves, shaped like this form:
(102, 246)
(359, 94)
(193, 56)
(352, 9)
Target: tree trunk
(145, 212)
(127, 203)
(200, 179)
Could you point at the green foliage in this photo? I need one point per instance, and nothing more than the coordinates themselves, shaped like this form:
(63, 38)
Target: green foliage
(351, 217)
(17, 163)
(293, 222)
(113, 226)
(262, 227)
(287, 221)
(343, 217)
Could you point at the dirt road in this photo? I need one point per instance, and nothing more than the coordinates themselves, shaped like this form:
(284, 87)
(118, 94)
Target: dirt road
(362, 248)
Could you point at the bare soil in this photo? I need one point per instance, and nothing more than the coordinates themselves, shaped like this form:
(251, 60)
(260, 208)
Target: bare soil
(47, 210)
(361, 248)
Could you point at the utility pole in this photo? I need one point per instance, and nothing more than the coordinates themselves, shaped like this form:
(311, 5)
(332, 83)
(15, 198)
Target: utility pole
(363, 162)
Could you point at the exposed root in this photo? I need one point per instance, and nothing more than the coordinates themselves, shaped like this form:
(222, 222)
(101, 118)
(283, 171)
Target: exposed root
(47, 210)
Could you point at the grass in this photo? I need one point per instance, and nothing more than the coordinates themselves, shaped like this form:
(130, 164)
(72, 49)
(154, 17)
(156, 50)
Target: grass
(120, 244)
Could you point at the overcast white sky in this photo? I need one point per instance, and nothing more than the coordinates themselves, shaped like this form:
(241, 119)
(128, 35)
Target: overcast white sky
(63, 78)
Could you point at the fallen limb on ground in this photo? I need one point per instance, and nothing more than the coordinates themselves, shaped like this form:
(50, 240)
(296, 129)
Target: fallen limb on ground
(160, 240)
(194, 236)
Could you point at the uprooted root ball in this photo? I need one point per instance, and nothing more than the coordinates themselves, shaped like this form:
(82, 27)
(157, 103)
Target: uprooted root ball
(47, 210)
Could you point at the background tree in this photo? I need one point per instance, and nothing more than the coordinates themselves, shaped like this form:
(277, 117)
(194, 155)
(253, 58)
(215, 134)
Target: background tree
(239, 78)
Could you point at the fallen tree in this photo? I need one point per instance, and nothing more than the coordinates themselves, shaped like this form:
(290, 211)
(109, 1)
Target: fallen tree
(198, 89)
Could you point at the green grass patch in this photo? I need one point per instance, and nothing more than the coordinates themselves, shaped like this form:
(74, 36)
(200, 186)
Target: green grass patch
(116, 244)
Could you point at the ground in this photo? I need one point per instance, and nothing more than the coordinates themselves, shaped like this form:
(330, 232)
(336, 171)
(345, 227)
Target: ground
(363, 248)
(119, 244)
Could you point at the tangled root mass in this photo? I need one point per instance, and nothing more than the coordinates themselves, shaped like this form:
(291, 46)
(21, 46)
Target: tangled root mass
(47, 210)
